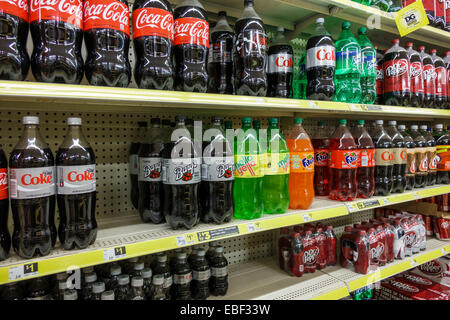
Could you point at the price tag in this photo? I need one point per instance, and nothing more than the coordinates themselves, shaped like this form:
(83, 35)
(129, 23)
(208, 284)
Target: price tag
(411, 18)
(385, 201)
(351, 207)
(354, 107)
(114, 253)
(217, 233)
(254, 226)
(185, 240)
(307, 217)
(23, 271)
(416, 196)
(312, 104)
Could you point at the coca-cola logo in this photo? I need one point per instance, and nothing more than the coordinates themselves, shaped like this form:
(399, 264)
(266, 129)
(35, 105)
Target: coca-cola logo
(193, 29)
(45, 177)
(415, 70)
(149, 18)
(87, 175)
(325, 54)
(404, 286)
(387, 156)
(410, 239)
(397, 69)
(283, 62)
(114, 11)
(310, 255)
(21, 4)
(3, 179)
(70, 7)
(431, 267)
(403, 155)
(417, 279)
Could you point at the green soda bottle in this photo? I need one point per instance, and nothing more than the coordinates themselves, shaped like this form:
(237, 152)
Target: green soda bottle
(276, 171)
(249, 173)
(262, 141)
(300, 81)
(395, 5)
(383, 5)
(368, 68)
(348, 67)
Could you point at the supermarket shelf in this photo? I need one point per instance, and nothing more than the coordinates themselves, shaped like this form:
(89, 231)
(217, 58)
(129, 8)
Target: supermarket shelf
(62, 97)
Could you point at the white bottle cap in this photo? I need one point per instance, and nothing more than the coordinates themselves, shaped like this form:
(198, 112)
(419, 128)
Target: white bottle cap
(132, 260)
(158, 279)
(401, 127)
(137, 282)
(439, 126)
(108, 295)
(147, 273)
(162, 258)
(280, 29)
(30, 120)
(116, 270)
(90, 277)
(123, 279)
(98, 287)
(320, 20)
(181, 255)
(392, 123)
(62, 284)
(139, 266)
(70, 295)
(74, 121)
(379, 122)
(414, 127)
(201, 252)
(423, 127)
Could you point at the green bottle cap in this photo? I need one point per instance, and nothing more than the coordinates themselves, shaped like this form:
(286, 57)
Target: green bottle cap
(362, 30)
(246, 120)
(360, 122)
(298, 120)
(321, 124)
(273, 121)
(342, 121)
(346, 25)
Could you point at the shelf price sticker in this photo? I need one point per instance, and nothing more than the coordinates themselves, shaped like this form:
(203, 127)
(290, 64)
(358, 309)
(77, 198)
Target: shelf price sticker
(217, 233)
(307, 217)
(411, 18)
(185, 240)
(114, 253)
(362, 205)
(23, 271)
(371, 107)
(254, 226)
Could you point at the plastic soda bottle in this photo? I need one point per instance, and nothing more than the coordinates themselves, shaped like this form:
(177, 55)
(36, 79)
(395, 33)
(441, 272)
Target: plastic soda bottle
(301, 179)
(383, 5)
(365, 174)
(343, 164)
(368, 68)
(276, 171)
(421, 157)
(443, 153)
(384, 156)
(321, 144)
(249, 173)
(300, 81)
(348, 67)
(431, 152)
(400, 158)
(411, 165)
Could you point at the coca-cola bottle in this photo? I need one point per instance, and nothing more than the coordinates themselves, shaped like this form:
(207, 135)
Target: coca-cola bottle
(280, 67)
(153, 44)
(32, 193)
(14, 60)
(57, 31)
(380, 76)
(191, 40)
(440, 81)
(429, 74)
(397, 84)
(383, 160)
(75, 165)
(399, 159)
(107, 39)
(411, 165)
(220, 60)
(416, 76)
(5, 237)
(431, 154)
(250, 57)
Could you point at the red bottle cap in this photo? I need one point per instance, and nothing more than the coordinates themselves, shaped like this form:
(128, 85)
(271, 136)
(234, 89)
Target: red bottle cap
(319, 230)
(285, 230)
(308, 232)
(433, 51)
(371, 230)
(362, 232)
(421, 48)
(409, 44)
(447, 53)
(348, 229)
(376, 47)
(296, 235)
(395, 41)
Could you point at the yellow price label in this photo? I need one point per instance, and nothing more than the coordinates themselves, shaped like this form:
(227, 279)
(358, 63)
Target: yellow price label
(411, 18)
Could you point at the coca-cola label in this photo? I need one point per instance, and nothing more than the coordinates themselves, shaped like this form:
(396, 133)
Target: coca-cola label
(400, 156)
(18, 8)
(181, 171)
(152, 22)
(441, 81)
(30, 183)
(191, 31)
(76, 179)
(182, 278)
(416, 75)
(252, 43)
(70, 11)
(384, 157)
(218, 168)
(429, 74)
(107, 14)
(281, 63)
(396, 75)
(150, 169)
(201, 275)
(3, 183)
(320, 56)
(219, 272)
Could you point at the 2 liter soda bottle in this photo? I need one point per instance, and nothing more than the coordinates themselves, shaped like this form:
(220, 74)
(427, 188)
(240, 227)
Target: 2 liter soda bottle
(421, 157)
(384, 157)
(429, 74)
(399, 158)
(416, 76)
(368, 68)
(133, 163)
(440, 80)
(321, 144)
(411, 164)
(5, 237)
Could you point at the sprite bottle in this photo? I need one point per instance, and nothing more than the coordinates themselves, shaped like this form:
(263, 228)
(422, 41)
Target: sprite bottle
(249, 173)
(383, 5)
(300, 81)
(368, 68)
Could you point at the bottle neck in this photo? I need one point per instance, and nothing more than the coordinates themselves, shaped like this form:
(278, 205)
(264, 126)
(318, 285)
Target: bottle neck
(246, 126)
(31, 135)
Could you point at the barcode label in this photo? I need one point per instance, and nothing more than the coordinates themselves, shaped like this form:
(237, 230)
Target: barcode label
(13, 188)
(204, 171)
(364, 161)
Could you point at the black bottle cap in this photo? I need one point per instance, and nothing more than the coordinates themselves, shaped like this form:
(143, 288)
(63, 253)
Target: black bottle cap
(180, 117)
(155, 121)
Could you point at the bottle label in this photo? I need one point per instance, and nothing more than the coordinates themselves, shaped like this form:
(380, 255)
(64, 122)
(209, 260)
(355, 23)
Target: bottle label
(432, 165)
(443, 158)
(3, 183)
(302, 162)
(76, 179)
(150, 169)
(321, 157)
(344, 159)
(152, 22)
(219, 52)
(277, 163)
(366, 158)
(348, 59)
(191, 31)
(400, 156)
(441, 81)
(427, 4)
(167, 282)
(248, 166)
(201, 275)
(429, 74)
(70, 11)
(320, 56)
(439, 8)
(396, 75)
(182, 278)
(133, 160)
(380, 77)
(181, 171)
(107, 14)
(18, 8)
(218, 169)
(416, 74)
(422, 159)
(370, 63)
(281, 63)
(30, 183)
(411, 161)
(219, 272)
(252, 43)
(384, 157)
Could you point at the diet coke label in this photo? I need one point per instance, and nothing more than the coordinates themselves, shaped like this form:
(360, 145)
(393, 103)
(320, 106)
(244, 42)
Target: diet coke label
(416, 74)
(76, 179)
(3, 183)
(191, 31)
(280, 63)
(396, 75)
(150, 169)
(152, 22)
(107, 14)
(30, 183)
(70, 11)
(18, 8)
(320, 56)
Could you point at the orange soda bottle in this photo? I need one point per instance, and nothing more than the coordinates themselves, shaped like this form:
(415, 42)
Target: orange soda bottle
(301, 180)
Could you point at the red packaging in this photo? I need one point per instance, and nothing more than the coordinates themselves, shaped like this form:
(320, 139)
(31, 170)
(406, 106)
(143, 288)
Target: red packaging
(296, 267)
(437, 270)
(399, 289)
(389, 242)
(320, 240)
(331, 246)
(428, 225)
(310, 252)
(441, 228)
(426, 284)
(443, 202)
(379, 212)
(355, 250)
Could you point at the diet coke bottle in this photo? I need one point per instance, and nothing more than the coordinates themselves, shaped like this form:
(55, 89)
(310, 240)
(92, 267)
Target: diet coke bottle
(107, 37)
(14, 60)
(57, 32)
(5, 237)
(280, 67)
(75, 165)
(153, 44)
(191, 40)
(32, 193)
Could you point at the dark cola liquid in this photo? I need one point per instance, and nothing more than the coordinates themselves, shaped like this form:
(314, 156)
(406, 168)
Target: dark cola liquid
(383, 173)
(220, 64)
(134, 193)
(250, 58)
(417, 96)
(77, 226)
(5, 237)
(181, 287)
(34, 219)
(398, 169)
(200, 279)
(154, 64)
(280, 82)
(151, 196)
(421, 176)
(218, 283)
(14, 60)
(402, 96)
(107, 61)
